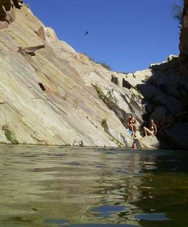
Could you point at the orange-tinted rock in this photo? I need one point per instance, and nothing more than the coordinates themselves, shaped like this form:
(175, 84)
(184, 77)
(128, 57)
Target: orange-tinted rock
(41, 33)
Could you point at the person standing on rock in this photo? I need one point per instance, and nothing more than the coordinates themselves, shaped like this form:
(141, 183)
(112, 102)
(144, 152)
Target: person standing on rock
(152, 130)
(132, 125)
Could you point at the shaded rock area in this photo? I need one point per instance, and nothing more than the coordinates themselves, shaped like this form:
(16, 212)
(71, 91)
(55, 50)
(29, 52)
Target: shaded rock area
(168, 103)
(7, 11)
(50, 94)
(183, 41)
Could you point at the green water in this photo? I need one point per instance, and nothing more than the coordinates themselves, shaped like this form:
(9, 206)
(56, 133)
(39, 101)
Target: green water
(56, 186)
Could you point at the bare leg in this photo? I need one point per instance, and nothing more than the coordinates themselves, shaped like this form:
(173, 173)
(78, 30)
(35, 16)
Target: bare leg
(147, 132)
(133, 129)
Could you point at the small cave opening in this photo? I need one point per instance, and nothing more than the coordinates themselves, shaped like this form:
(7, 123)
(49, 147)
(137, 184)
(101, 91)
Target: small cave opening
(18, 3)
(126, 84)
(42, 87)
(114, 80)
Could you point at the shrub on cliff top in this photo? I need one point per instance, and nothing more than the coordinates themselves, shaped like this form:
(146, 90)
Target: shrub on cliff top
(97, 62)
(105, 65)
(178, 12)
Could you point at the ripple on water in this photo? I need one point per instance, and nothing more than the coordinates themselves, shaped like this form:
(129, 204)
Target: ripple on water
(49, 186)
(103, 225)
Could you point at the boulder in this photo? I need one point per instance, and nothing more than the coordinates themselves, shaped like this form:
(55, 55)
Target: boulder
(149, 142)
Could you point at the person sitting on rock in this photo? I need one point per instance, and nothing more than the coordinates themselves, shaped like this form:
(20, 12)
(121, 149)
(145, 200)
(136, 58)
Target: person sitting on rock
(132, 125)
(152, 130)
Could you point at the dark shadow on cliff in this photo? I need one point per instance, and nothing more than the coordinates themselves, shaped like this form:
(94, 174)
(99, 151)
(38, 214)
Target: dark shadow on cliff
(166, 101)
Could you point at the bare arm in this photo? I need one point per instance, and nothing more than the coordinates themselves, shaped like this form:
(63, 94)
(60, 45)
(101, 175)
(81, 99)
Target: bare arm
(155, 128)
(128, 123)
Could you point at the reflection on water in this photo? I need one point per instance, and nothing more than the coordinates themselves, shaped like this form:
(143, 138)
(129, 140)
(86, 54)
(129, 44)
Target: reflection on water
(56, 186)
(105, 211)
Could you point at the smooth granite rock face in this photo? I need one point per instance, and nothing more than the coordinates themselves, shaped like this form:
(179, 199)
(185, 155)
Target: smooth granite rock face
(45, 97)
(50, 94)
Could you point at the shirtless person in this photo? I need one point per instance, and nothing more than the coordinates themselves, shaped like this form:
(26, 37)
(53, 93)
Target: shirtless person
(132, 125)
(152, 130)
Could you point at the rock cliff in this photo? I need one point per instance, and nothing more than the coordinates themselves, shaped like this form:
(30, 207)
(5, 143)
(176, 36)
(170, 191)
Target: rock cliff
(50, 94)
(184, 40)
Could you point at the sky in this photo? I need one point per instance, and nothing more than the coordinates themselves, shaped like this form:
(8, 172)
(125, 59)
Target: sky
(128, 35)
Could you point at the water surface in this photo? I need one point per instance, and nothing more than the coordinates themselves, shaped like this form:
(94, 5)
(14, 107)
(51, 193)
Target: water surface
(56, 186)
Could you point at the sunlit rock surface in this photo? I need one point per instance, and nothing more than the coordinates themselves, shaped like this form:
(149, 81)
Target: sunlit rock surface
(45, 95)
